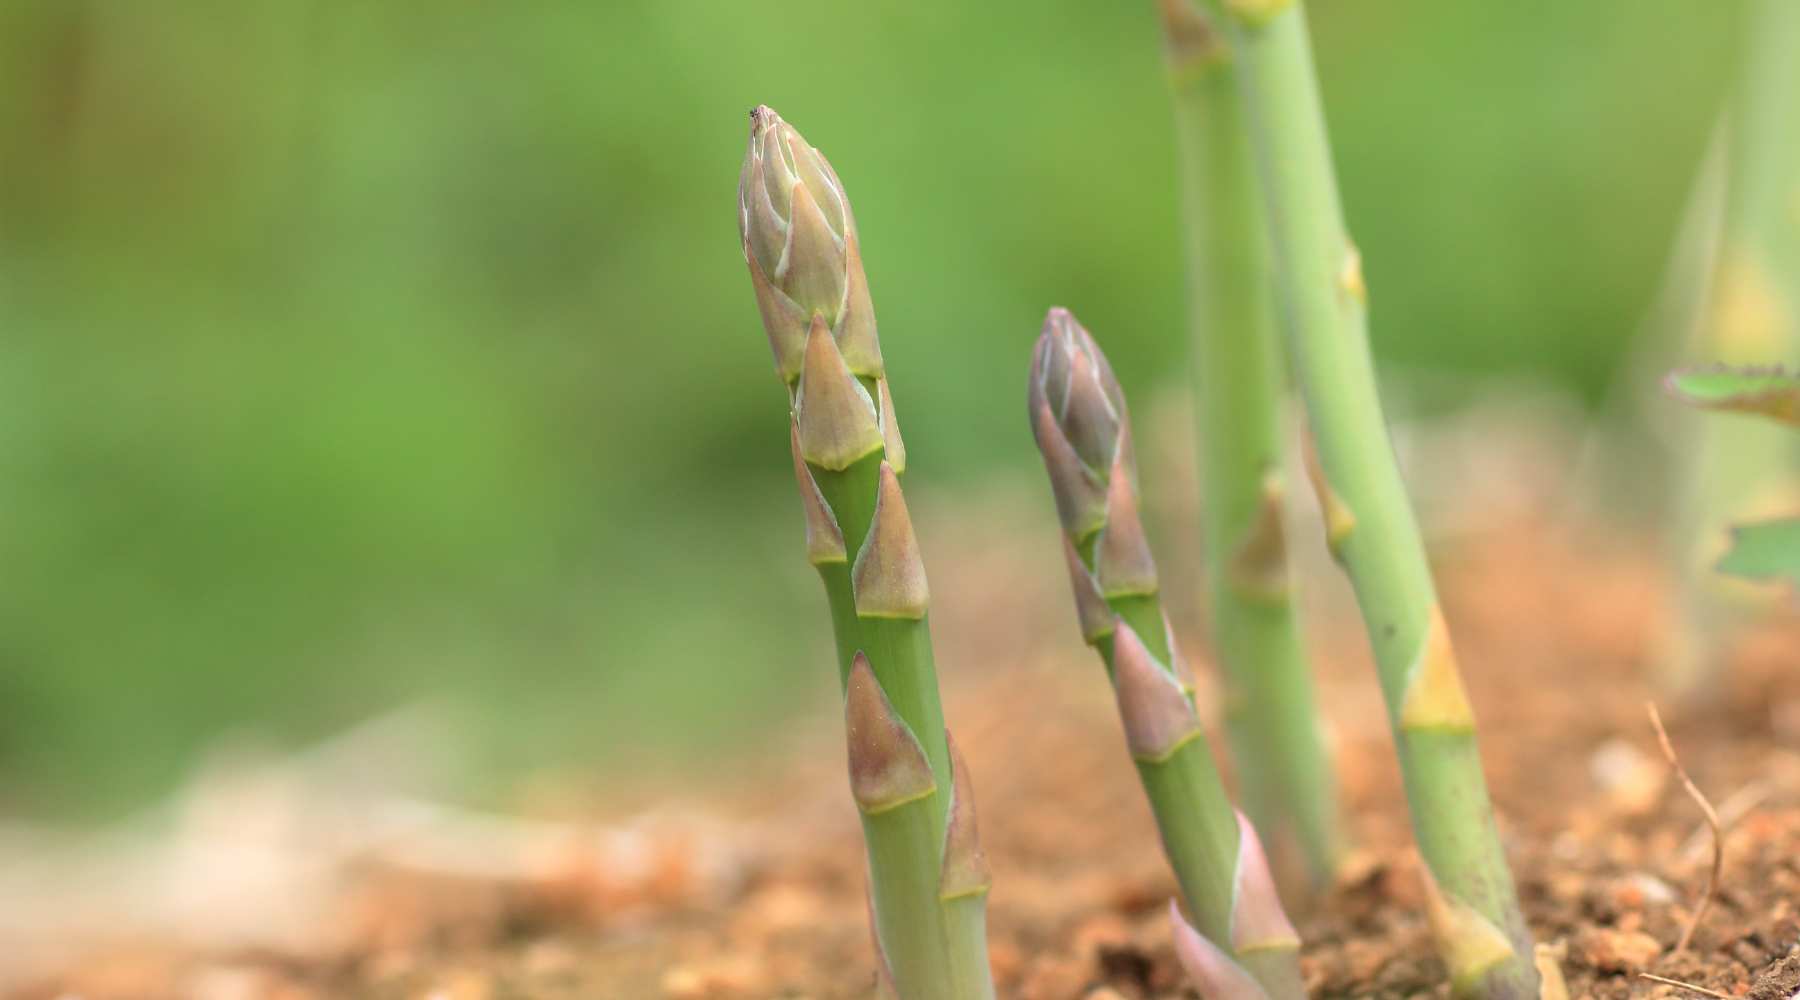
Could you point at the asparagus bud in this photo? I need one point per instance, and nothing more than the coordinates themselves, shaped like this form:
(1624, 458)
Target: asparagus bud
(1246, 947)
(800, 242)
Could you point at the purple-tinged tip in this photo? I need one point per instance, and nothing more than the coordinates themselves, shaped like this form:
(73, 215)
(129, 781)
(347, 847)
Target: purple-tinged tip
(1080, 495)
(824, 540)
(1122, 560)
(1210, 969)
(837, 419)
(888, 768)
(1257, 920)
(1158, 716)
(894, 448)
(888, 580)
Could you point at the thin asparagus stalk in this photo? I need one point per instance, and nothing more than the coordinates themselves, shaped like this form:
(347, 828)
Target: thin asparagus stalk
(928, 879)
(1245, 947)
(1284, 776)
(1480, 933)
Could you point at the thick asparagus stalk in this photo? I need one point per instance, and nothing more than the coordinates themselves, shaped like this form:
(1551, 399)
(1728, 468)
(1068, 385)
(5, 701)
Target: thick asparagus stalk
(1245, 946)
(1480, 932)
(928, 879)
(1284, 776)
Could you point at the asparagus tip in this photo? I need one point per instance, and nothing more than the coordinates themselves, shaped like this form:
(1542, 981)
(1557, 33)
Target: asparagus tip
(888, 768)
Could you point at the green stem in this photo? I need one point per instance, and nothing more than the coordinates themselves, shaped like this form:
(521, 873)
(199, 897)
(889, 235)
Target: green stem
(1482, 935)
(1284, 775)
(935, 948)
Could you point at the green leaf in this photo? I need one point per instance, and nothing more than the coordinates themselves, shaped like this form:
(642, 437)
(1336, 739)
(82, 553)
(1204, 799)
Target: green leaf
(1770, 392)
(1763, 549)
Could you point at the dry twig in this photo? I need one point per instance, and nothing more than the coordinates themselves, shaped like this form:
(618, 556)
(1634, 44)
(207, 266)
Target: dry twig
(1686, 986)
(1712, 820)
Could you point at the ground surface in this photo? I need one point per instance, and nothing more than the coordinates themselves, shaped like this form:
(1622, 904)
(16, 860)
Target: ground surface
(748, 884)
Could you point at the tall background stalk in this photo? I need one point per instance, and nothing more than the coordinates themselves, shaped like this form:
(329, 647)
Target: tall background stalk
(1480, 932)
(1284, 774)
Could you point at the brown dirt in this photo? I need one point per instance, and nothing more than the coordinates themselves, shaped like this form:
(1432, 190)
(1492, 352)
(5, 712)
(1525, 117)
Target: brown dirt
(1557, 649)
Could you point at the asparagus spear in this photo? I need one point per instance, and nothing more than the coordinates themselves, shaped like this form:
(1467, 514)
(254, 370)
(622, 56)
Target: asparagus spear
(1479, 930)
(1284, 775)
(928, 879)
(1244, 948)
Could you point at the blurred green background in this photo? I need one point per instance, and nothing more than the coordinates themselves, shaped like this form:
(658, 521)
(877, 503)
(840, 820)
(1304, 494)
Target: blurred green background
(355, 353)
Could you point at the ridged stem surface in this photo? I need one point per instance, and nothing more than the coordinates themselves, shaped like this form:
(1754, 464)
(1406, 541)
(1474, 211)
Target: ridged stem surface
(1480, 931)
(1285, 779)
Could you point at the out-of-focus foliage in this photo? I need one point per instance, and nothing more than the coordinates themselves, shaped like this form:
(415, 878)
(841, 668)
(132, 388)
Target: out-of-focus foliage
(1764, 549)
(1768, 392)
(354, 352)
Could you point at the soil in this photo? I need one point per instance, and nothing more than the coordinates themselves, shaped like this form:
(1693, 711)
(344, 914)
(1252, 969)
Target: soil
(748, 884)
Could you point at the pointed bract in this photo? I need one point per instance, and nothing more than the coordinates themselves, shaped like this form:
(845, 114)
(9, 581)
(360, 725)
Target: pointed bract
(888, 768)
(855, 330)
(1080, 494)
(783, 320)
(1096, 617)
(1340, 520)
(837, 419)
(1434, 692)
(824, 540)
(1258, 566)
(1122, 561)
(1158, 715)
(889, 576)
(1213, 973)
(1257, 920)
(895, 449)
(965, 871)
(1468, 942)
(1088, 418)
(812, 264)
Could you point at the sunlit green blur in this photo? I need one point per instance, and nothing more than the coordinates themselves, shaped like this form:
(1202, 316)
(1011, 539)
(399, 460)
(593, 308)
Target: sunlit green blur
(353, 354)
